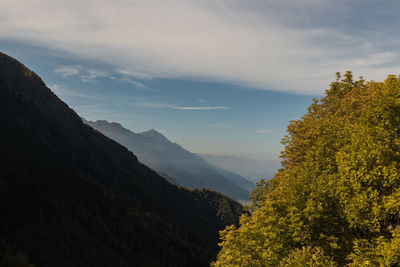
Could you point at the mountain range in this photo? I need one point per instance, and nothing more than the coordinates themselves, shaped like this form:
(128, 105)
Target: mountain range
(70, 196)
(176, 163)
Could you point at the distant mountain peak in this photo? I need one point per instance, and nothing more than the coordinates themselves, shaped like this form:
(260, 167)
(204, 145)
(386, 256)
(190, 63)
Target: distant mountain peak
(151, 132)
(154, 134)
(114, 126)
(176, 163)
(105, 122)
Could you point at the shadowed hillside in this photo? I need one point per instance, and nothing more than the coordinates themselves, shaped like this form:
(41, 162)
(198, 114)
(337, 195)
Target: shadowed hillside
(70, 196)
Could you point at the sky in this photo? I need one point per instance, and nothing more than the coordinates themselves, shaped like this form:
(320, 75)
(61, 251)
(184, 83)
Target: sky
(221, 77)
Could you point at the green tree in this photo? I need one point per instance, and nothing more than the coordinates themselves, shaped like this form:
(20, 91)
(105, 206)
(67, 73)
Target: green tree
(338, 193)
(307, 256)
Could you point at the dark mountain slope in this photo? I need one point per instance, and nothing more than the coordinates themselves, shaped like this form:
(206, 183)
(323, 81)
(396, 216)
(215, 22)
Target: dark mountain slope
(70, 196)
(185, 168)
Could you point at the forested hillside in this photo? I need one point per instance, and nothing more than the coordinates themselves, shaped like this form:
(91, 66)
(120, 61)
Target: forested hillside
(336, 201)
(69, 196)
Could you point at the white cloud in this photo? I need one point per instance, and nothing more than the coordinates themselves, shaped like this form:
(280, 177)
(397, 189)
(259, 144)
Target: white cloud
(62, 92)
(222, 40)
(135, 73)
(265, 131)
(67, 71)
(92, 75)
(136, 84)
(170, 106)
(86, 76)
(202, 108)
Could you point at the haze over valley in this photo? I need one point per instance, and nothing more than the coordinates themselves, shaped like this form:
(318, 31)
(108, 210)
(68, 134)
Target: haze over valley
(179, 165)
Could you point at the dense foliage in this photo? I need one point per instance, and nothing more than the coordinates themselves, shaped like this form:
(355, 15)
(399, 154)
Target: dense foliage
(69, 196)
(336, 201)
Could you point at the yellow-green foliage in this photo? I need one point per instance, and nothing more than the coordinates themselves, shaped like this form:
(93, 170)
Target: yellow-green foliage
(337, 197)
(378, 251)
(307, 256)
(28, 73)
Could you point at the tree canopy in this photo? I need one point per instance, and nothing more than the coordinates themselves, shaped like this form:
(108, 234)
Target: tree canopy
(336, 200)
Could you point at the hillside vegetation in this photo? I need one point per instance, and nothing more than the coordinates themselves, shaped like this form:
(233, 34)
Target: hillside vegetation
(336, 201)
(69, 196)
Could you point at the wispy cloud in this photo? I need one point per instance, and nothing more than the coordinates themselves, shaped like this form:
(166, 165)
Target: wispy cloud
(84, 75)
(294, 46)
(136, 84)
(67, 71)
(92, 75)
(170, 106)
(265, 131)
(135, 73)
(63, 92)
(202, 108)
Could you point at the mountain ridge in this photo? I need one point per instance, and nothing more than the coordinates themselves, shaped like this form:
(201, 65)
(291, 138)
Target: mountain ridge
(70, 196)
(185, 168)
